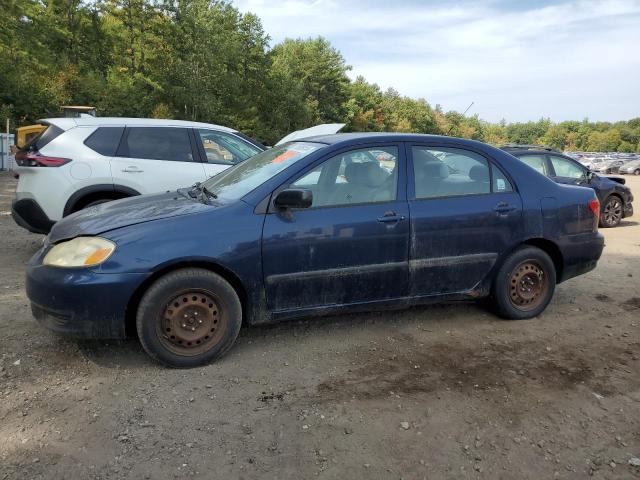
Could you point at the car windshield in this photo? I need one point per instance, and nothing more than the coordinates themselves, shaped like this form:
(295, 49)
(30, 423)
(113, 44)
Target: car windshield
(237, 181)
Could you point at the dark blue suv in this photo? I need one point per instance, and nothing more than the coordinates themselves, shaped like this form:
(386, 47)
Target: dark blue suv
(616, 199)
(327, 224)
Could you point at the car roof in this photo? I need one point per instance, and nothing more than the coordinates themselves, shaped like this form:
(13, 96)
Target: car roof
(515, 151)
(91, 121)
(360, 137)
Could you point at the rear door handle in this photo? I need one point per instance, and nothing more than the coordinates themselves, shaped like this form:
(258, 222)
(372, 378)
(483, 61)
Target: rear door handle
(133, 170)
(391, 217)
(503, 207)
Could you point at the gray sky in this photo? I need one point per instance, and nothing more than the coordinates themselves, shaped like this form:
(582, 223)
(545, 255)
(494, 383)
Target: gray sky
(517, 60)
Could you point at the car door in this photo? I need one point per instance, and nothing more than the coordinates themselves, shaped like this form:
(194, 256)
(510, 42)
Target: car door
(563, 170)
(219, 150)
(351, 245)
(156, 159)
(465, 213)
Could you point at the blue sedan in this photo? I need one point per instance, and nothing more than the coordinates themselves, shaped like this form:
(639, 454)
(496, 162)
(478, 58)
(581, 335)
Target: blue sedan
(322, 225)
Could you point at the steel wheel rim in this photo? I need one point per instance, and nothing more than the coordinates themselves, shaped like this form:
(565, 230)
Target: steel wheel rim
(191, 323)
(612, 211)
(528, 286)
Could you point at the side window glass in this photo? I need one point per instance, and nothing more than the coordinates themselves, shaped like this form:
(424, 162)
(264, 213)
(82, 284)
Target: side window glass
(534, 161)
(368, 175)
(499, 180)
(157, 143)
(105, 140)
(566, 168)
(445, 172)
(221, 147)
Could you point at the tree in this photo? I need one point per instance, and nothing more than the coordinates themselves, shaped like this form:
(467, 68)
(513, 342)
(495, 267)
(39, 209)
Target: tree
(321, 73)
(204, 60)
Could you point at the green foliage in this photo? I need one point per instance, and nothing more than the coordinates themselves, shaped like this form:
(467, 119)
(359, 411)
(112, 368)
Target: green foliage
(204, 60)
(319, 72)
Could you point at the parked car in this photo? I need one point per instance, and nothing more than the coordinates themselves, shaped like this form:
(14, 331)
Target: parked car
(609, 166)
(616, 199)
(80, 162)
(413, 219)
(632, 167)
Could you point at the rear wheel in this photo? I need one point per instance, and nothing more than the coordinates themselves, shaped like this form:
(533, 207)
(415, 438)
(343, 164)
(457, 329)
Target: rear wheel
(188, 318)
(611, 213)
(524, 284)
(637, 171)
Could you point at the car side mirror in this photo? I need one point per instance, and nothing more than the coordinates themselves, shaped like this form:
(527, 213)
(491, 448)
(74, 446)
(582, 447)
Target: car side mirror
(294, 198)
(589, 176)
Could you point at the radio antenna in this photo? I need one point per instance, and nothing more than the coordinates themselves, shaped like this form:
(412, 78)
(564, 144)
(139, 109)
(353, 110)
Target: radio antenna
(463, 113)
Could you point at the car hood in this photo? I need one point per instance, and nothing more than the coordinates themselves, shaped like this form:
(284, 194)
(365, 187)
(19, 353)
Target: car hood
(121, 213)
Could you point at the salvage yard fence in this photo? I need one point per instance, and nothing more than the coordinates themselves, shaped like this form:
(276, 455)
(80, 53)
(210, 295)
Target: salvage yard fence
(6, 159)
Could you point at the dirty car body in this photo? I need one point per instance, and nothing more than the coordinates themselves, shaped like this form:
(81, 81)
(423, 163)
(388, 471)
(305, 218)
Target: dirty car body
(416, 241)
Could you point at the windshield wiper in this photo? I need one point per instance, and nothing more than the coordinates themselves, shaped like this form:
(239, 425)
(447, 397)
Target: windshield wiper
(200, 192)
(209, 193)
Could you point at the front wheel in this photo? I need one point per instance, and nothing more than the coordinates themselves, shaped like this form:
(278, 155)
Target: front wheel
(611, 213)
(637, 171)
(188, 317)
(524, 284)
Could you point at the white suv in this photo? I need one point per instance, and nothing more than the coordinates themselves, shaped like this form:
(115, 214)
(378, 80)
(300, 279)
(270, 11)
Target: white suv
(78, 162)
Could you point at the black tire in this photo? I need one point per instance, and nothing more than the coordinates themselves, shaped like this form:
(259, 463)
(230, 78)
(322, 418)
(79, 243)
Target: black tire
(526, 264)
(167, 319)
(636, 172)
(611, 212)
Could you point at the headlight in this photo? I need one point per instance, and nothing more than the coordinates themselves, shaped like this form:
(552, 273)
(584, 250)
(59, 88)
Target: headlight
(80, 252)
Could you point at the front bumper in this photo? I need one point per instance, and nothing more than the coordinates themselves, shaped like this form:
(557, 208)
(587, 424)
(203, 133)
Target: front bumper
(80, 302)
(29, 214)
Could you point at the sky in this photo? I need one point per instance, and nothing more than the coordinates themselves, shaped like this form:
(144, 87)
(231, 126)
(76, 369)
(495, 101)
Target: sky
(516, 60)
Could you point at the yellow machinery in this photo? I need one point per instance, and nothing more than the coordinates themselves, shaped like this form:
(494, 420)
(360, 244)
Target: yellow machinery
(75, 111)
(25, 134)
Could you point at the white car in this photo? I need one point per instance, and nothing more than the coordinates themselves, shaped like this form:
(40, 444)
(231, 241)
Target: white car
(79, 162)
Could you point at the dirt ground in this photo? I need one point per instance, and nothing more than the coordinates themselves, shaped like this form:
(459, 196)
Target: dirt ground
(435, 392)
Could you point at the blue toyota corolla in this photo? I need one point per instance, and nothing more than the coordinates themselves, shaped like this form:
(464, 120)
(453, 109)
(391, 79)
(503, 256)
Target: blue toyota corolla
(322, 225)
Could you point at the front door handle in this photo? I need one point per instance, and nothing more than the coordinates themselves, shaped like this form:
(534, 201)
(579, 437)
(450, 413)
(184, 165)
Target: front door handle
(503, 207)
(132, 170)
(390, 217)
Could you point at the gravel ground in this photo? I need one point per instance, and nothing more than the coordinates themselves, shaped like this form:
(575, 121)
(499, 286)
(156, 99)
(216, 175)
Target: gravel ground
(435, 392)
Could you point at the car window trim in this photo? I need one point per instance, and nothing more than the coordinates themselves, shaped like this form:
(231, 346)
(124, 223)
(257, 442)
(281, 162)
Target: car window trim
(401, 191)
(411, 181)
(196, 146)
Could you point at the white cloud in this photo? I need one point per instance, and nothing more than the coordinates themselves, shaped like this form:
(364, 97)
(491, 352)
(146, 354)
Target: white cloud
(517, 61)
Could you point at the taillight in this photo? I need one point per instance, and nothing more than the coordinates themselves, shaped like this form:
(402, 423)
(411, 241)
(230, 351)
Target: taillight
(25, 159)
(594, 206)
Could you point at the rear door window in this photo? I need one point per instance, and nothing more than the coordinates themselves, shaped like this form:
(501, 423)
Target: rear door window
(105, 140)
(566, 168)
(157, 143)
(500, 181)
